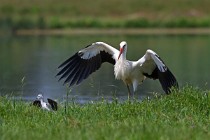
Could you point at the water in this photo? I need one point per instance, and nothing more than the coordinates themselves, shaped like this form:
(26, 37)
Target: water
(36, 58)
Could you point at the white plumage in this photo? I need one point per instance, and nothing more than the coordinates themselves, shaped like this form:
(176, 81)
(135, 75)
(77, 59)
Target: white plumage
(78, 67)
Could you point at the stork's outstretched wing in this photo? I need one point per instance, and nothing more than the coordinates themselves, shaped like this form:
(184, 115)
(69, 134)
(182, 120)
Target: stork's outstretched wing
(78, 67)
(154, 67)
(37, 103)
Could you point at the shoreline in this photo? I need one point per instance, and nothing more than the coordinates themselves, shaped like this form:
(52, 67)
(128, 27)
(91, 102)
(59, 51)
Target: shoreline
(112, 31)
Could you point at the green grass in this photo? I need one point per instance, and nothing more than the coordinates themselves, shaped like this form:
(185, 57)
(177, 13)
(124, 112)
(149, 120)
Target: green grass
(183, 114)
(50, 14)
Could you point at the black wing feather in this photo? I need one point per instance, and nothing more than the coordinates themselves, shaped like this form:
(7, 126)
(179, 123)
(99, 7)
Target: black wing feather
(68, 67)
(76, 74)
(67, 61)
(72, 72)
(167, 79)
(83, 74)
(106, 57)
(53, 104)
(37, 103)
(87, 73)
(79, 73)
(76, 69)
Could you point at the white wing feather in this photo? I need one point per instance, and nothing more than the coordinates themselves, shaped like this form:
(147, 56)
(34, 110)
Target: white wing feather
(152, 55)
(95, 49)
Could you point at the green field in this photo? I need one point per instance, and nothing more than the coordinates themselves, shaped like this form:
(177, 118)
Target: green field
(51, 14)
(181, 115)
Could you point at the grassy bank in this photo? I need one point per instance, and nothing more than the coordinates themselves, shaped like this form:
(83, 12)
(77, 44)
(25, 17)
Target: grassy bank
(181, 115)
(53, 14)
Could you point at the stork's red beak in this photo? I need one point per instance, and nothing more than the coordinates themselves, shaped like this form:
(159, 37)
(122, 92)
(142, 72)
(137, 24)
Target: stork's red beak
(121, 50)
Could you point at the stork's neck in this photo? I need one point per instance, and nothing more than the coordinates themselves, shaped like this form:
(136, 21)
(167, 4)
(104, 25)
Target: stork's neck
(42, 101)
(123, 56)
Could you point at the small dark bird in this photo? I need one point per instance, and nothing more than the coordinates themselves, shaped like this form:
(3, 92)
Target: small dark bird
(51, 105)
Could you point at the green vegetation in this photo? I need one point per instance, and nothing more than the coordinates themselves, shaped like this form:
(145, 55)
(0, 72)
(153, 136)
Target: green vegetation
(183, 114)
(52, 14)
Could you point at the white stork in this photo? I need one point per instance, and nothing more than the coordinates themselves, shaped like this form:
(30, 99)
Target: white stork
(78, 67)
(39, 102)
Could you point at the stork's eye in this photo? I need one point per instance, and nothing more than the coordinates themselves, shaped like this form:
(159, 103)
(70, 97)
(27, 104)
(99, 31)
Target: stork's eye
(123, 46)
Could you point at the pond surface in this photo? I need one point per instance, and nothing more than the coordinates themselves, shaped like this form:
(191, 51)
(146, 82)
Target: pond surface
(36, 58)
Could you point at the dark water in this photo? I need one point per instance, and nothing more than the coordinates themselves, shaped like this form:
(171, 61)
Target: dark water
(35, 58)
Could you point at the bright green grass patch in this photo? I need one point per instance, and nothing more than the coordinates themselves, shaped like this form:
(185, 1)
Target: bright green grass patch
(183, 114)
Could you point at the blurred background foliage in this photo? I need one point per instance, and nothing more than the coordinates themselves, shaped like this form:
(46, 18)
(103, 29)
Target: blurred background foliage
(51, 14)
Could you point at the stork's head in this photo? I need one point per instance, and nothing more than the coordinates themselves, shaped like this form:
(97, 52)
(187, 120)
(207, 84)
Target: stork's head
(123, 48)
(40, 97)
